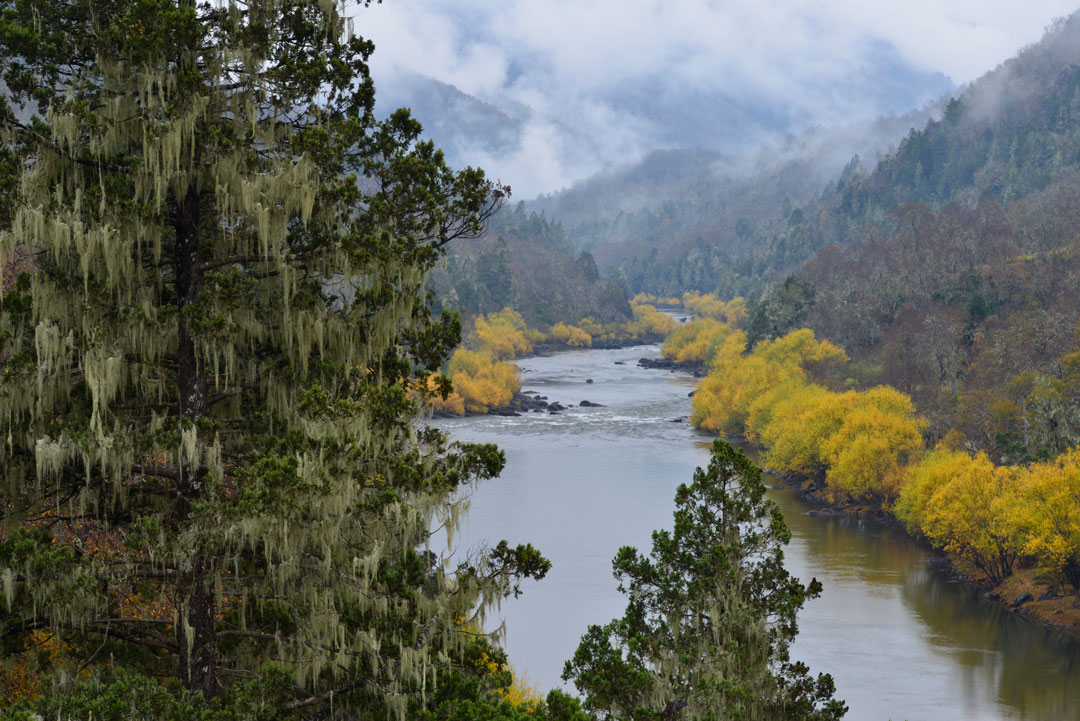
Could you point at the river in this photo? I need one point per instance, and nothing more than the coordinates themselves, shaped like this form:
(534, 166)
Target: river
(900, 639)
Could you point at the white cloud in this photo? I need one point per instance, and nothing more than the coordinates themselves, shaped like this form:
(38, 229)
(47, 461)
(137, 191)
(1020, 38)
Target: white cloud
(564, 59)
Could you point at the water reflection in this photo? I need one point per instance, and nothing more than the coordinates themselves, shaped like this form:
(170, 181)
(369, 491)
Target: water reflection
(995, 664)
(1033, 670)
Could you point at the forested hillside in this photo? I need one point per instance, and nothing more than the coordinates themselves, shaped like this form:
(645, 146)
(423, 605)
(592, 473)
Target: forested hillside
(526, 262)
(948, 268)
(683, 219)
(951, 268)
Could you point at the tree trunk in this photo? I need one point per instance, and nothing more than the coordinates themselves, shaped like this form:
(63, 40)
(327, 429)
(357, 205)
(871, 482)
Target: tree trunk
(189, 283)
(671, 711)
(198, 657)
(196, 636)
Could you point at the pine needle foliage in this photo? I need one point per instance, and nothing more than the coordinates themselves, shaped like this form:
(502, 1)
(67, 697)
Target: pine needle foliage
(210, 468)
(710, 616)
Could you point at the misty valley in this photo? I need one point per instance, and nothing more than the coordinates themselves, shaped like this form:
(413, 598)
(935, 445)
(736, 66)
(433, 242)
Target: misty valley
(506, 362)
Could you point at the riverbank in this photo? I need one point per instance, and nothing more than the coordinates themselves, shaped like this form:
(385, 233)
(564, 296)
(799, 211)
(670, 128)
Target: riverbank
(1023, 593)
(901, 638)
(866, 452)
(526, 402)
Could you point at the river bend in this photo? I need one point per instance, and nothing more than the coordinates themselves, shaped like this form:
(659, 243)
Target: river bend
(901, 640)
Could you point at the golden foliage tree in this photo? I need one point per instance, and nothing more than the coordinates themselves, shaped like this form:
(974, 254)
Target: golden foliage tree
(503, 335)
(879, 433)
(962, 504)
(697, 341)
(1046, 514)
(570, 335)
(650, 323)
(481, 382)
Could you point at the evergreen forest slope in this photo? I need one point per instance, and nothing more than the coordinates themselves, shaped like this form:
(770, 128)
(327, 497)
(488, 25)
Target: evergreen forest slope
(527, 262)
(948, 268)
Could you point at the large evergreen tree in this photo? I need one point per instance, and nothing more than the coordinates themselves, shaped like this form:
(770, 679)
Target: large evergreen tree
(210, 470)
(710, 616)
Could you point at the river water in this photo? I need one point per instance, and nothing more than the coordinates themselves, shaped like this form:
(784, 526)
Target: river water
(901, 641)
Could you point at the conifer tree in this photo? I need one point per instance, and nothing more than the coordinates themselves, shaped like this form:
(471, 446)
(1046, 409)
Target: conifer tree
(209, 463)
(711, 614)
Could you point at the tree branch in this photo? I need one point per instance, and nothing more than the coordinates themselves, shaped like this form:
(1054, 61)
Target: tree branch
(241, 259)
(326, 696)
(154, 470)
(16, 125)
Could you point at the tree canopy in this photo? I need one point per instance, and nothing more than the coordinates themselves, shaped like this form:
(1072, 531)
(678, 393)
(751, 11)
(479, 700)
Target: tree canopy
(210, 470)
(711, 613)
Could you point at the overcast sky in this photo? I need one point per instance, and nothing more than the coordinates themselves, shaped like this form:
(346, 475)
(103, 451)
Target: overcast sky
(558, 57)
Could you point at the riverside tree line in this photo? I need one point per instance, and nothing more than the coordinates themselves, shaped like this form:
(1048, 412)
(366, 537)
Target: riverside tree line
(793, 396)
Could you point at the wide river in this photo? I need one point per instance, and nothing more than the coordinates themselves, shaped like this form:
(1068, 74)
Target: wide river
(901, 640)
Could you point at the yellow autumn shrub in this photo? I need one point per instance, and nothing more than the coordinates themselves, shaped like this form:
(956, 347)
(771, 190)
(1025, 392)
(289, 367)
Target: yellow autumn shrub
(710, 306)
(481, 382)
(570, 335)
(649, 299)
(1047, 515)
(595, 330)
(503, 335)
(696, 341)
(878, 435)
(962, 504)
(799, 426)
(453, 403)
(649, 322)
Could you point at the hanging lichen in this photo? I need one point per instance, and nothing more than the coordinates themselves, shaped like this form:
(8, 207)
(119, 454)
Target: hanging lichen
(219, 332)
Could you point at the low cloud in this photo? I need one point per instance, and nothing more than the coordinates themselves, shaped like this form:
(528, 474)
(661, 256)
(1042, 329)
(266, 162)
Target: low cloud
(583, 81)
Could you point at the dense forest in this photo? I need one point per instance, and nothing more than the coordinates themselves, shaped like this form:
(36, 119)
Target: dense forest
(231, 297)
(526, 261)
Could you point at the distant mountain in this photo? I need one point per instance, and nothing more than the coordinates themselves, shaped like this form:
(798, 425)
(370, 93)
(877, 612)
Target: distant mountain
(459, 123)
(528, 147)
(688, 220)
(699, 220)
(681, 115)
(948, 267)
(1010, 134)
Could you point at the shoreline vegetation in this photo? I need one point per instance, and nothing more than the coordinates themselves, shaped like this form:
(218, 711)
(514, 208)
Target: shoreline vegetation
(483, 379)
(851, 450)
(1013, 530)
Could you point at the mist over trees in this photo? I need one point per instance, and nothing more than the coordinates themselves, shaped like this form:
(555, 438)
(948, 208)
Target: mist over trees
(945, 264)
(526, 262)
